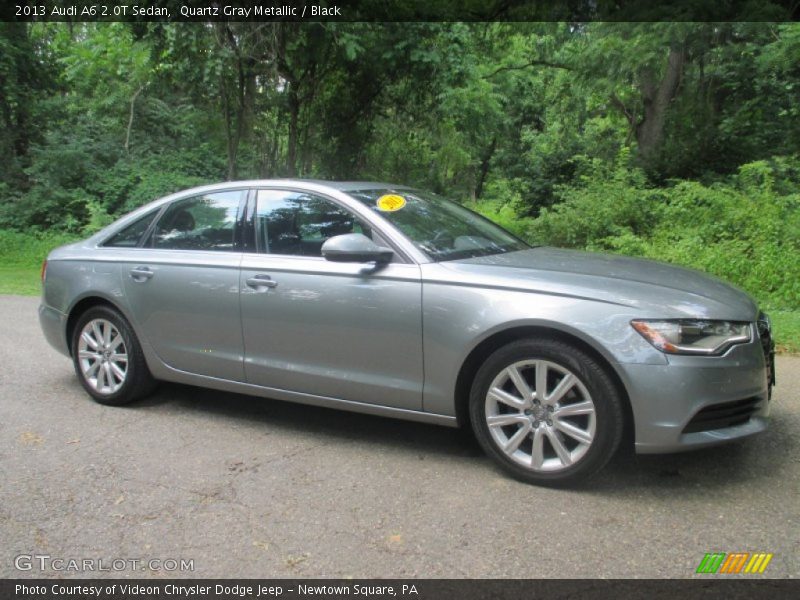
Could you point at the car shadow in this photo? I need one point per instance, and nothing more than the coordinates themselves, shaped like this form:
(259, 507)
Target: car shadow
(302, 419)
(748, 461)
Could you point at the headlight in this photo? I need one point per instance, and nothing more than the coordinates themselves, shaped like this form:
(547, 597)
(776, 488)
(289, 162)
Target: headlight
(689, 336)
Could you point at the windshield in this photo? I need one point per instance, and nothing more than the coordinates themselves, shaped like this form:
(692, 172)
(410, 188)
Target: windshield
(442, 229)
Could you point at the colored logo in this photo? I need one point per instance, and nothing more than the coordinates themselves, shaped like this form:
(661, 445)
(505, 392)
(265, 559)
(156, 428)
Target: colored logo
(735, 562)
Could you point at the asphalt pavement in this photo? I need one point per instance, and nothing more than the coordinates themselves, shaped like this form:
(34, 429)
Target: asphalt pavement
(247, 487)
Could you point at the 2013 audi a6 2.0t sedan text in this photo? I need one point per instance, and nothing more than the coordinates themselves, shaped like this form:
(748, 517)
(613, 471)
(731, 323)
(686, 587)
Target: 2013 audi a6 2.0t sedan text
(387, 300)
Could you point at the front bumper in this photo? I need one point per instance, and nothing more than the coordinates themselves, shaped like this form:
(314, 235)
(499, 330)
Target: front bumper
(54, 327)
(666, 399)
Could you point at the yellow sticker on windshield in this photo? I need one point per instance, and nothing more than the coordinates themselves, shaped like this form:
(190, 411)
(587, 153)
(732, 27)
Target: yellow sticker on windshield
(390, 203)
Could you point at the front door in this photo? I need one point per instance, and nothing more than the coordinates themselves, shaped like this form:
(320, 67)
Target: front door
(339, 330)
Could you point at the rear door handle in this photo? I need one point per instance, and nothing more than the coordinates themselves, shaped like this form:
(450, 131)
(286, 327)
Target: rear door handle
(258, 281)
(141, 274)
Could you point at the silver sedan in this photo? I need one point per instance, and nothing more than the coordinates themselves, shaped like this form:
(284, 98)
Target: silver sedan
(387, 300)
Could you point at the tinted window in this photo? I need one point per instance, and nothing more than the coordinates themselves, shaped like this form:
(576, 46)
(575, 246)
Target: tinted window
(297, 223)
(200, 223)
(130, 236)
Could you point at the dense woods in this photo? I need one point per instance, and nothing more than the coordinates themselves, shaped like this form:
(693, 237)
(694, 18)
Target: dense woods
(673, 140)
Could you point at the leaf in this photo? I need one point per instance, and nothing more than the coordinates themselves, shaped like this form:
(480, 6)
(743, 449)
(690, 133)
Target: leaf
(29, 438)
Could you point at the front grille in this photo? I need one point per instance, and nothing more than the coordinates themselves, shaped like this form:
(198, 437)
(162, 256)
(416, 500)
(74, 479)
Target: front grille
(768, 346)
(719, 416)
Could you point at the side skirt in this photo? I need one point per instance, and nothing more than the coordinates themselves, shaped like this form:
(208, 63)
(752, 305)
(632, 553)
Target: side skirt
(167, 373)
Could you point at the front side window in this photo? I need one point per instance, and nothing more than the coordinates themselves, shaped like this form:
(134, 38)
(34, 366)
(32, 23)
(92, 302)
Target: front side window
(298, 223)
(132, 234)
(205, 222)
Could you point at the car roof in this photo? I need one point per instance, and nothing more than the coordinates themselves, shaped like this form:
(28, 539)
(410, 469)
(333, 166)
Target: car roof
(342, 186)
(312, 185)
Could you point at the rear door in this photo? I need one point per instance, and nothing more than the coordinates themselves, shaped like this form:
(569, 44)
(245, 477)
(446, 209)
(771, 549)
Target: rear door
(182, 285)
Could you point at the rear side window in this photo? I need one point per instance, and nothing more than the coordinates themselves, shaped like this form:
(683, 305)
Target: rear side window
(132, 234)
(205, 222)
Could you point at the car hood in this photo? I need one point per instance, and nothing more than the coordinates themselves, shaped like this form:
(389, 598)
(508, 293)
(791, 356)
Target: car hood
(645, 284)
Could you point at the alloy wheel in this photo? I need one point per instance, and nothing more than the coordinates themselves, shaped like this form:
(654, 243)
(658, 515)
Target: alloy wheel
(541, 415)
(103, 356)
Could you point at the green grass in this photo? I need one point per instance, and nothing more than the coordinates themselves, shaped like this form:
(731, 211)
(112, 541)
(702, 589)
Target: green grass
(21, 256)
(20, 276)
(786, 325)
(23, 281)
(19, 249)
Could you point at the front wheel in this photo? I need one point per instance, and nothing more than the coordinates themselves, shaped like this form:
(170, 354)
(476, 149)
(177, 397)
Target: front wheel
(108, 358)
(546, 411)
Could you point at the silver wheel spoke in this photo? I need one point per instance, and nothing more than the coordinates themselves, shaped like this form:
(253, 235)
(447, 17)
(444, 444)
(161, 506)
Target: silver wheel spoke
(519, 382)
(564, 386)
(573, 431)
(109, 375)
(106, 333)
(574, 410)
(515, 440)
(97, 332)
(500, 396)
(101, 379)
(90, 341)
(118, 373)
(559, 447)
(90, 372)
(537, 454)
(509, 419)
(119, 358)
(88, 354)
(115, 342)
(541, 381)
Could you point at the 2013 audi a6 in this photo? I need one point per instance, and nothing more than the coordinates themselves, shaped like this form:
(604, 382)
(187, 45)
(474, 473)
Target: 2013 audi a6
(387, 300)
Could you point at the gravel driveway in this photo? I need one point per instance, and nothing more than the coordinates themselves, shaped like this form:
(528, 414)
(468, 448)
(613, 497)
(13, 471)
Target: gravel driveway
(253, 488)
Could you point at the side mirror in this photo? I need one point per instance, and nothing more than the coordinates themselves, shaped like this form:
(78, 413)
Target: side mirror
(355, 247)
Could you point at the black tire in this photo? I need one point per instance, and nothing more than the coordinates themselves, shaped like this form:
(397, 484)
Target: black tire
(607, 419)
(138, 381)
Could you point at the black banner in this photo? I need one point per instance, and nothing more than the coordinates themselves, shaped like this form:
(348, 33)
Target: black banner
(398, 10)
(384, 589)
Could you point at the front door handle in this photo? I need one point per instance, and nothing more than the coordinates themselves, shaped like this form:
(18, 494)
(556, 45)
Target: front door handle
(141, 274)
(258, 281)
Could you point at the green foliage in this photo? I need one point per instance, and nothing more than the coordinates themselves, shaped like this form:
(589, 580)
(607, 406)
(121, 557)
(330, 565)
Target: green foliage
(505, 216)
(22, 281)
(586, 216)
(26, 250)
(786, 325)
(101, 117)
(657, 139)
(745, 228)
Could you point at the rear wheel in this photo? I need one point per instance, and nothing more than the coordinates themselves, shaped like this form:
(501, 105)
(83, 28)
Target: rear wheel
(546, 411)
(108, 358)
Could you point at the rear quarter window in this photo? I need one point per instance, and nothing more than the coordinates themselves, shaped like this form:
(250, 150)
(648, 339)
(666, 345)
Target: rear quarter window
(132, 234)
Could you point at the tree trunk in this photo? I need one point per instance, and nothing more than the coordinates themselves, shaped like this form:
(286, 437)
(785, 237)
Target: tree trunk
(238, 97)
(231, 132)
(657, 98)
(484, 169)
(294, 117)
(130, 119)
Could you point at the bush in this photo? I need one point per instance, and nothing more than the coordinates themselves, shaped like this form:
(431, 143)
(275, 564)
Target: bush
(745, 228)
(28, 250)
(499, 205)
(605, 211)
